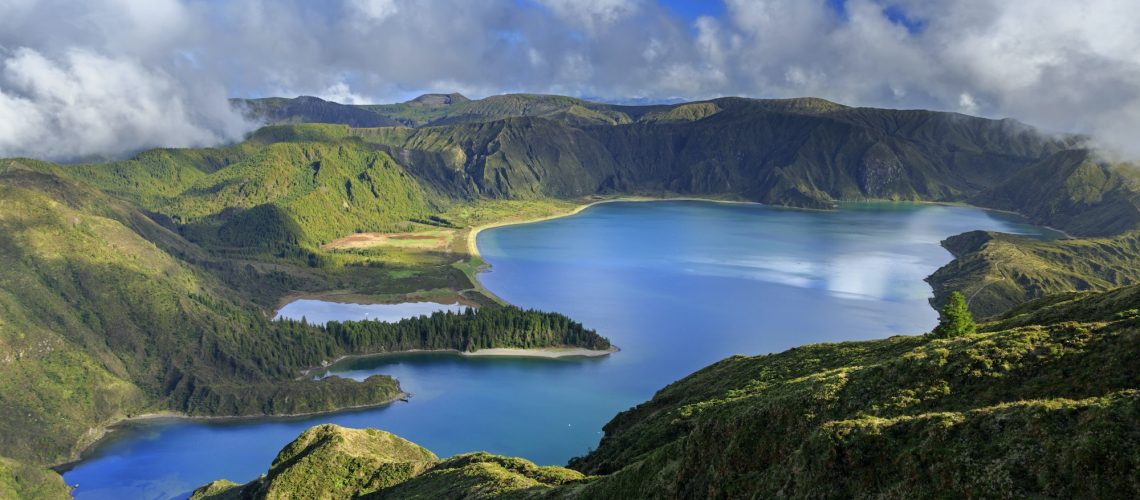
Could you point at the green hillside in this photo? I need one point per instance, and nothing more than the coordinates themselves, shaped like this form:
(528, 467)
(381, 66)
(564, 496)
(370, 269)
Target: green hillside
(107, 313)
(146, 284)
(795, 152)
(999, 271)
(330, 461)
(1043, 402)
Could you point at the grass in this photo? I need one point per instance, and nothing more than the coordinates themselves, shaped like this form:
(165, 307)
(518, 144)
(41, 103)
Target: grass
(329, 461)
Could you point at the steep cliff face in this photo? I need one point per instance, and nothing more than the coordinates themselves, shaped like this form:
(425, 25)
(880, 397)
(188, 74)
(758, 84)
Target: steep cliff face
(1073, 190)
(797, 152)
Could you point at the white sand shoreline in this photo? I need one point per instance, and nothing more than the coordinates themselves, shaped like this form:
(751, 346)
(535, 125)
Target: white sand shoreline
(559, 352)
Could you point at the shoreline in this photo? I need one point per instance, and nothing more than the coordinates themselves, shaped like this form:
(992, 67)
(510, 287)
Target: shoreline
(502, 352)
(472, 235)
(367, 300)
(106, 431)
(545, 352)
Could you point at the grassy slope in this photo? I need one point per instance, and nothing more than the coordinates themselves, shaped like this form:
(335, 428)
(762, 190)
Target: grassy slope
(329, 461)
(1044, 401)
(1046, 404)
(20, 480)
(100, 322)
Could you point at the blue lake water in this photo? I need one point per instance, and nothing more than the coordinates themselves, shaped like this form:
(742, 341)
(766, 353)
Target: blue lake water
(677, 285)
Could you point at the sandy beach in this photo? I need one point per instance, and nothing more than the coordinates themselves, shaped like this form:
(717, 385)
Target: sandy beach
(562, 352)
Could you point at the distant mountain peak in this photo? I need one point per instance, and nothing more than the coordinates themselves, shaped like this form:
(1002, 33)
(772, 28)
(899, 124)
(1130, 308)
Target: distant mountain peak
(306, 99)
(434, 100)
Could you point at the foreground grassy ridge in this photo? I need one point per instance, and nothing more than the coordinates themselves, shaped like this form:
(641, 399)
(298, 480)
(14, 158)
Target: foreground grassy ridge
(1044, 401)
(330, 461)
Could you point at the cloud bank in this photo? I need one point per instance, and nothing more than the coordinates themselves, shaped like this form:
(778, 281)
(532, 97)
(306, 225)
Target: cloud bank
(114, 76)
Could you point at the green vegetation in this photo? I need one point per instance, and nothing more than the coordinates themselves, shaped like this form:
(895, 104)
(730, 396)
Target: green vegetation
(955, 319)
(1074, 190)
(330, 461)
(470, 331)
(1042, 402)
(145, 284)
(1000, 271)
(19, 480)
(106, 313)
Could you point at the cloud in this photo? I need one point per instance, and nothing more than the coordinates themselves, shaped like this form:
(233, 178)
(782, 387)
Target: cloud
(87, 104)
(374, 10)
(156, 72)
(592, 14)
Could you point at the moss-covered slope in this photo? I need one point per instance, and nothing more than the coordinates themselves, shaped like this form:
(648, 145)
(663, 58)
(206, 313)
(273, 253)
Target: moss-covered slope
(1043, 402)
(20, 480)
(329, 461)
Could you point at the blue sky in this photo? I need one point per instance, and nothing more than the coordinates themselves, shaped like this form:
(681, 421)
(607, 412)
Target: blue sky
(691, 9)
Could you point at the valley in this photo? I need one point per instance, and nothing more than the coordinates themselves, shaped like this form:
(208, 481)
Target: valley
(147, 284)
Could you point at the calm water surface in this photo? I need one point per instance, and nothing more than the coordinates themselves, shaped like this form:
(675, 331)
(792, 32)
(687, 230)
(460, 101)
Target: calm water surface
(677, 285)
(321, 312)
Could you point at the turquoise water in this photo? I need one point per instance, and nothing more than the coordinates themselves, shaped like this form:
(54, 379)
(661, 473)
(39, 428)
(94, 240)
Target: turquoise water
(321, 311)
(677, 285)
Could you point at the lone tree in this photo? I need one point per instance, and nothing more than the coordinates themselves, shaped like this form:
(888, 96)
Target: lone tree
(955, 319)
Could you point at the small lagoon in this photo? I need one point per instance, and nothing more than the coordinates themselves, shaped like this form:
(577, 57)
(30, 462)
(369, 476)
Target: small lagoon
(321, 311)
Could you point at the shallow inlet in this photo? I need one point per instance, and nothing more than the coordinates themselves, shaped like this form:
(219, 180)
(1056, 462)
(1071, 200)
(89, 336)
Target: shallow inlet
(322, 311)
(678, 285)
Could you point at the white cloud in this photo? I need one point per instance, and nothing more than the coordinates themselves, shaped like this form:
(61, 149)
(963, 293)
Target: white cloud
(374, 10)
(88, 104)
(341, 92)
(966, 103)
(592, 14)
(1065, 66)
